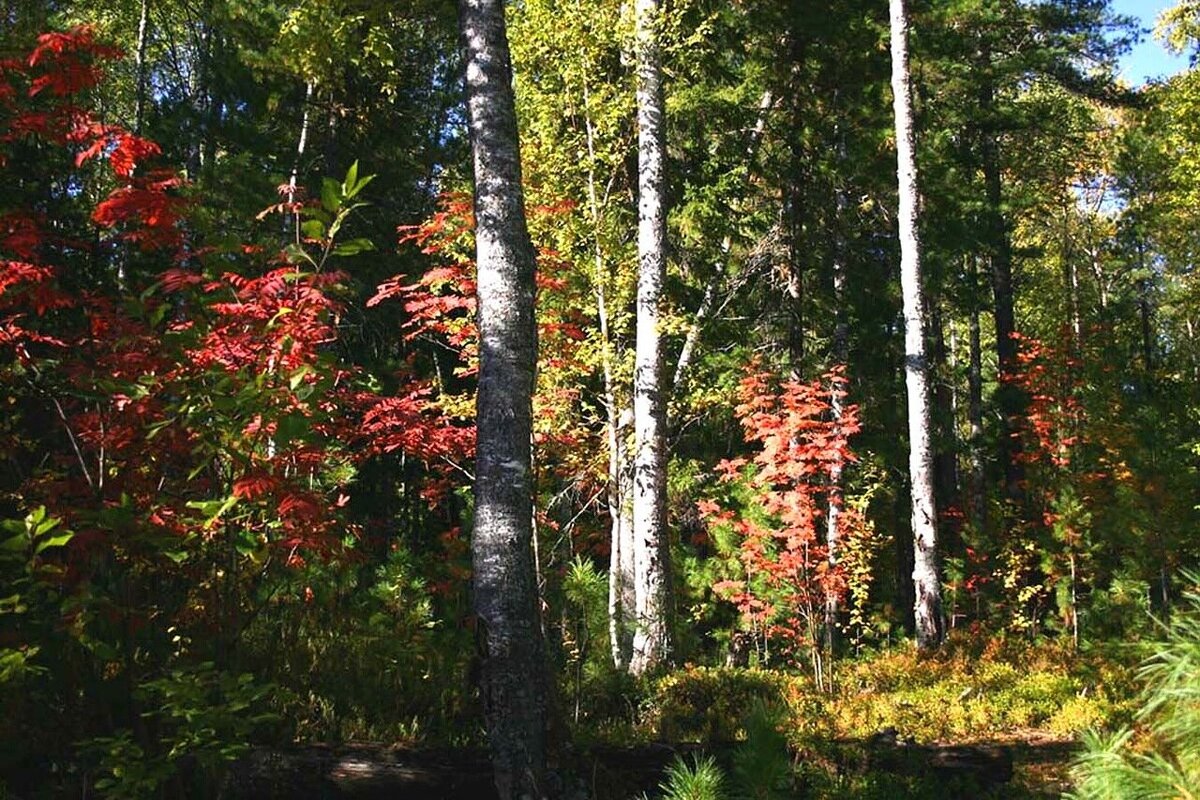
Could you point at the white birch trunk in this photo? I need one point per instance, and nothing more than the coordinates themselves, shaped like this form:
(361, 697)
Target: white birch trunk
(928, 611)
(505, 592)
(139, 58)
(621, 594)
(301, 143)
(839, 351)
(651, 640)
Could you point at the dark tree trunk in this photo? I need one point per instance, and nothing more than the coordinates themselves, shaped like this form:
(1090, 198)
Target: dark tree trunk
(514, 677)
(978, 489)
(1009, 398)
(945, 455)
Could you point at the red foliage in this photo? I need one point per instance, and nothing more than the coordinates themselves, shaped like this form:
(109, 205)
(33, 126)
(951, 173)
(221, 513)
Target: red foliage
(1048, 377)
(67, 62)
(210, 390)
(802, 446)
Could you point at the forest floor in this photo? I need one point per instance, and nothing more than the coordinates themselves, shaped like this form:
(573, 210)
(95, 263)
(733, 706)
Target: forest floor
(982, 720)
(1039, 764)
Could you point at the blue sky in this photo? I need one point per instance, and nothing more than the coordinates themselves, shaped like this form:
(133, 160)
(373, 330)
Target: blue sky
(1149, 59)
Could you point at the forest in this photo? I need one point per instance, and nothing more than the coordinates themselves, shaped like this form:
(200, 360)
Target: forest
(614, 399)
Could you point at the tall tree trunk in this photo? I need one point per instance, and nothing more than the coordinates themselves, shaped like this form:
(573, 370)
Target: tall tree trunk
(838, 355)
(505, 591)
(301, 145)
(622, 577)
(651, 644)
(1145, 314)
(928, 602)
(1008, 396)
(978, 489)
(622, 598)
(139, 112)
(1070, 274)
(945, 457)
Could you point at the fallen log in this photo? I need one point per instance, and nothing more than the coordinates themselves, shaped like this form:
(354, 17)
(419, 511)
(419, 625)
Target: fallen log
(373, 772)
(984, 764)
(359, 772)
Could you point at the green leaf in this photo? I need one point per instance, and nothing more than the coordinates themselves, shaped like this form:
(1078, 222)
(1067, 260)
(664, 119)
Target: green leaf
(331, 195)
(313, 229)
(314, 212)
(351, 179)
(354, 247)
(291, 426)
(54, 541)
(298, 376)
(12, 605)
(213, 509)
(358, 187)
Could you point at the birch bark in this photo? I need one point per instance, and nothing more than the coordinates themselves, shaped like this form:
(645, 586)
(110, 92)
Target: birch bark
(651, 641)
(927, 606)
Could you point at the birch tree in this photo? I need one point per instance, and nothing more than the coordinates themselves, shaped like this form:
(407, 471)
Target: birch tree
(505, 588)
(651, 644)
(928, 607)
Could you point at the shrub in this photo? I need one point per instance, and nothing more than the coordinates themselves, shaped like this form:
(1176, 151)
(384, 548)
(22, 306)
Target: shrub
(703, 780)
(707, 704)
(1162, 757)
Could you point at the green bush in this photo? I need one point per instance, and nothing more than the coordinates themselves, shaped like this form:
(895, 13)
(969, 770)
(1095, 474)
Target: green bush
(202, 719)
(1160, 758)
(701, 780)
(704, 704)
(762, 765)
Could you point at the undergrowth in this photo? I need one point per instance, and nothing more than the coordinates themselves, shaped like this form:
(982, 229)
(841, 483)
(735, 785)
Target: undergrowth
(973, 690)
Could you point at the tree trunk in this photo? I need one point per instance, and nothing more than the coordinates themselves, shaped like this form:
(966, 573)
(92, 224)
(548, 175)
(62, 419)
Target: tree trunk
(1008, 395)
(927, 608)
(651, 645)
(1145, 315)
(622, 600)
(622, 571)
(301, 143)
(839, 351)
(505, 592)
(978, 500)
(139, 113)
(945, 458)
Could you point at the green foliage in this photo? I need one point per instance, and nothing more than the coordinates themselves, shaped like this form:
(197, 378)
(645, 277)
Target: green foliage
(762, 764)
(370, 658)
(971, 691)
(598, 692)
(1161, 757)
(30, 578)
(701, 780)
(706, 704)
(204, 719)
(974, 689)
